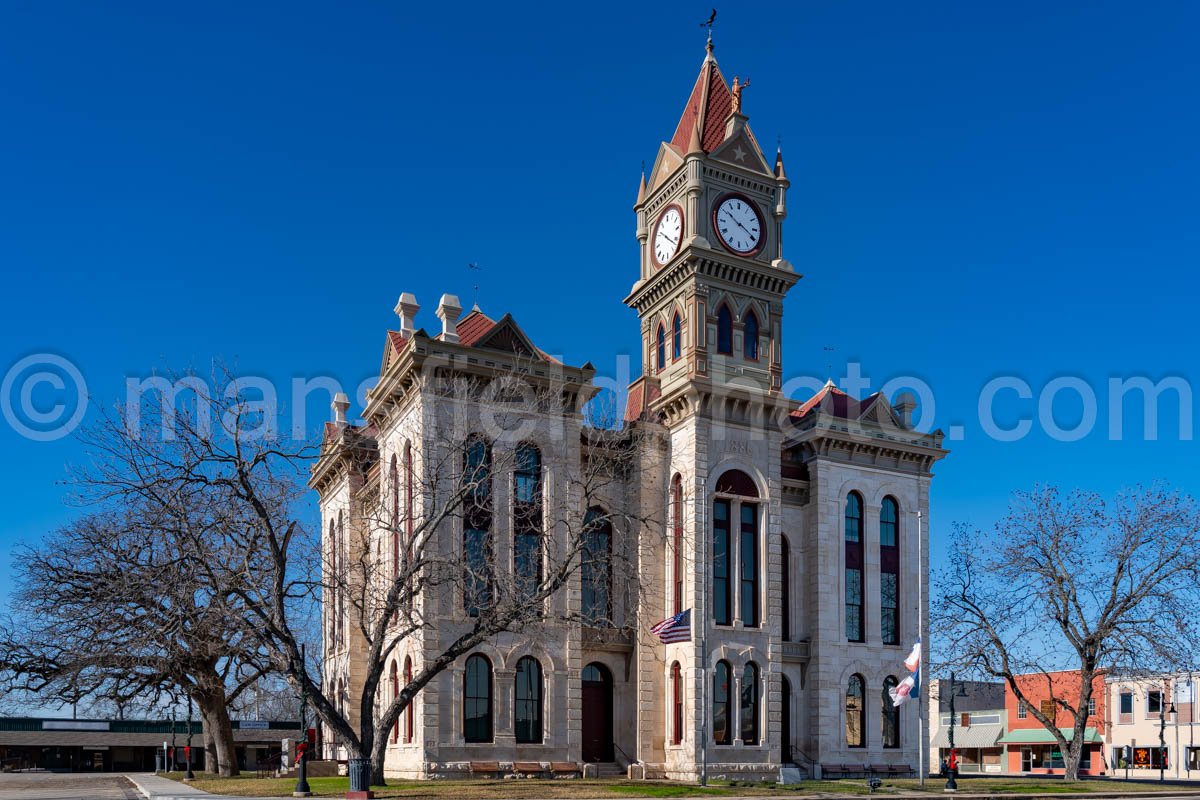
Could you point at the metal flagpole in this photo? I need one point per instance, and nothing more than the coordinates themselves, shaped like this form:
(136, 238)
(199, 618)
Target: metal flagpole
(921, 737)
(702, 620)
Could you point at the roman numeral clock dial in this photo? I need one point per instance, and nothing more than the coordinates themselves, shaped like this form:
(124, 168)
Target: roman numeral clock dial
(667, 234)
(738, 224)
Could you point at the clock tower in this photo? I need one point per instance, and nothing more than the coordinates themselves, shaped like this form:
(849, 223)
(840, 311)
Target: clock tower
(710, 223)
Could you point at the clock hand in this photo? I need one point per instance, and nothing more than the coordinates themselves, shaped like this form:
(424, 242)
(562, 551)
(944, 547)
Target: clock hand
(735, 222)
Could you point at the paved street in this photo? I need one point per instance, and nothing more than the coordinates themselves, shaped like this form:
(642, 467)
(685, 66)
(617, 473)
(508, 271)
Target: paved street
(55, 786)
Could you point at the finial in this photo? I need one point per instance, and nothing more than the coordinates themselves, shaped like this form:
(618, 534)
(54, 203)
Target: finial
(641, 198)
(779, 172)
(694, 145)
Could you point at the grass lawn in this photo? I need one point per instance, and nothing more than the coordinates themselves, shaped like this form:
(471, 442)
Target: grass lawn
(247, 785)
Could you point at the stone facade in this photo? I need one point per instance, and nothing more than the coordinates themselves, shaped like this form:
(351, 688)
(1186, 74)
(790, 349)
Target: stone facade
(717, 444)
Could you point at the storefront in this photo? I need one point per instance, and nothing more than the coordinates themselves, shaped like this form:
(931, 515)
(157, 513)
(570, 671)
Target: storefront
(1035, 751)
(127, 745)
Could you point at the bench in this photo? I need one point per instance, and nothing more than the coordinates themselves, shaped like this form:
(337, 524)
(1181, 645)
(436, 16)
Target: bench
(890, 770)
(528, 769)
(489, 769)
(565, 768)
(835, 771)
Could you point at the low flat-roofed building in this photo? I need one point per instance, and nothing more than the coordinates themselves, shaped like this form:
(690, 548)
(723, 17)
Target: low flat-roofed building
(90, 745)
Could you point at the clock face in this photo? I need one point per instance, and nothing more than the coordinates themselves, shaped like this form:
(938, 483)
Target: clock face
(667, 234)
(738, 224)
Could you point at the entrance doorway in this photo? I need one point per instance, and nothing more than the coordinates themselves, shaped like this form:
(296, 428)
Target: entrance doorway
(1026, 759)
(597, 713)
(785, 722)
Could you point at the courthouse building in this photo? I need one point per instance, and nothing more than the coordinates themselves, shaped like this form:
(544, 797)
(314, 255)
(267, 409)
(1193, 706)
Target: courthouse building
(792, 529)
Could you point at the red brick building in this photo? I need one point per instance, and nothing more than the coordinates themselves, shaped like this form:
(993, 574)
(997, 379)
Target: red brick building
(1031, 748)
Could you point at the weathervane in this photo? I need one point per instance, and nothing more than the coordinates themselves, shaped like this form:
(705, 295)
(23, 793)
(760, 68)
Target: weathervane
(708, 23)
(477, 268)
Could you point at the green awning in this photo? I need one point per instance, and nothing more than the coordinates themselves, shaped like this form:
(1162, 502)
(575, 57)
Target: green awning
(1043, 736)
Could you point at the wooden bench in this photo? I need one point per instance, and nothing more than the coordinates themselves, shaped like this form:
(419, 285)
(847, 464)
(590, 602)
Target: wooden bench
(528, 768)
(489, 769)
(564, 768)
(834, 771)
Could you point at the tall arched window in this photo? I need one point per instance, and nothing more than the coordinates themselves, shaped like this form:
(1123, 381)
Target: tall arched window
(340, 546)
(661, 347)
(527, 519)
(749, 711)
(408, 712)
(854, 567)
(856, 712)
(477, 526)
(676, 704)
(890, 721)
(722, 700)
(596, 572)
(332, 584)
(394, 681)
(677, 541)
(410, 513)
(724, 330)
(528, 712)
(394, 479)
(889, 571)
(477, 700)
(734, 502)
(750, 337)
(676, 337)
(785, 589)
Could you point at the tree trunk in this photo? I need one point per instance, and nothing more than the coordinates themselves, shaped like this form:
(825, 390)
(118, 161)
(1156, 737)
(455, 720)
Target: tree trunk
(378, 754)
(217, 726)
(209, 762)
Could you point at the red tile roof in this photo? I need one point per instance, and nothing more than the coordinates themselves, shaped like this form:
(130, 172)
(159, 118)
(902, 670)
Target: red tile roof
(641, 394)
(710, 103)
(474, 326)
(397, 340)
(832, 400)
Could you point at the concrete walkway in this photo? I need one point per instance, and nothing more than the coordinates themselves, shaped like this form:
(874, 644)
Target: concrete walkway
(156, 787)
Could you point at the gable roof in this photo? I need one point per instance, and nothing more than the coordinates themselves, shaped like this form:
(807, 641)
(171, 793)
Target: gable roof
(477, 329)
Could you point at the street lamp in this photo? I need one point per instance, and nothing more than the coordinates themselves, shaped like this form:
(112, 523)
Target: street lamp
(302, 789)
(189, 775)
(951, 782)
(1162, 736)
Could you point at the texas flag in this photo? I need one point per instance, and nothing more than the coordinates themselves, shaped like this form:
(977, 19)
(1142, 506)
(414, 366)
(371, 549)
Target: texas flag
(904, 690)
(914, 658)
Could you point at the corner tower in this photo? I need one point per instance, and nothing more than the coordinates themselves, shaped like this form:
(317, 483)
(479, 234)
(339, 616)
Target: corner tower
(710, 223)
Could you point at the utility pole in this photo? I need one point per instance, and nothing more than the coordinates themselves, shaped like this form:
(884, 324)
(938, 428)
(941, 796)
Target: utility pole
(189, 775)
(302, 789)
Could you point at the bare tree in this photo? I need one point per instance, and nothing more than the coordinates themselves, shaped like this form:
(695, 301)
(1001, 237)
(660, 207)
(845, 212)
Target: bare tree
(1073, 583)
(110, 609)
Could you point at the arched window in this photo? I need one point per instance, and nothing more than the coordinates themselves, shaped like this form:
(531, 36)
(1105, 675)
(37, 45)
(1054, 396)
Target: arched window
(527, 519)
(528, 713)
(677, 541)
(676, 704)
(394, 681)
(750, 337)
(854, 567)
(890, 721)
(596, 572)
(724, 330)
(785, 593)
(477, 526)
(394, 479)
(750, 695)
(477, 700)
(661, 347)
(889, 571)
(408, 712)
(727, 510)
(722, 700)
(856, 712)
(676, 337)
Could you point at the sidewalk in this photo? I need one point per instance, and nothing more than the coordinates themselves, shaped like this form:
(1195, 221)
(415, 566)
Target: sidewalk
(155, 787)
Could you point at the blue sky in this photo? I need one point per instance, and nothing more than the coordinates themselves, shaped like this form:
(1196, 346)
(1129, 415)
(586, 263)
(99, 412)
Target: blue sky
(977, 191)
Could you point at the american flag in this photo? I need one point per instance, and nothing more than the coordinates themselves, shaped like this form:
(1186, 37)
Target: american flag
(675, 629)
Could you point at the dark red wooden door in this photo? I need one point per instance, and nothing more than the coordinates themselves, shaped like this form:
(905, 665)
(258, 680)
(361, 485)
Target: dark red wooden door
(597, 714)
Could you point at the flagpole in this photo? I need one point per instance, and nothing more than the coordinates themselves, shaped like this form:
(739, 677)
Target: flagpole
(702, 620)
(921, 574)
